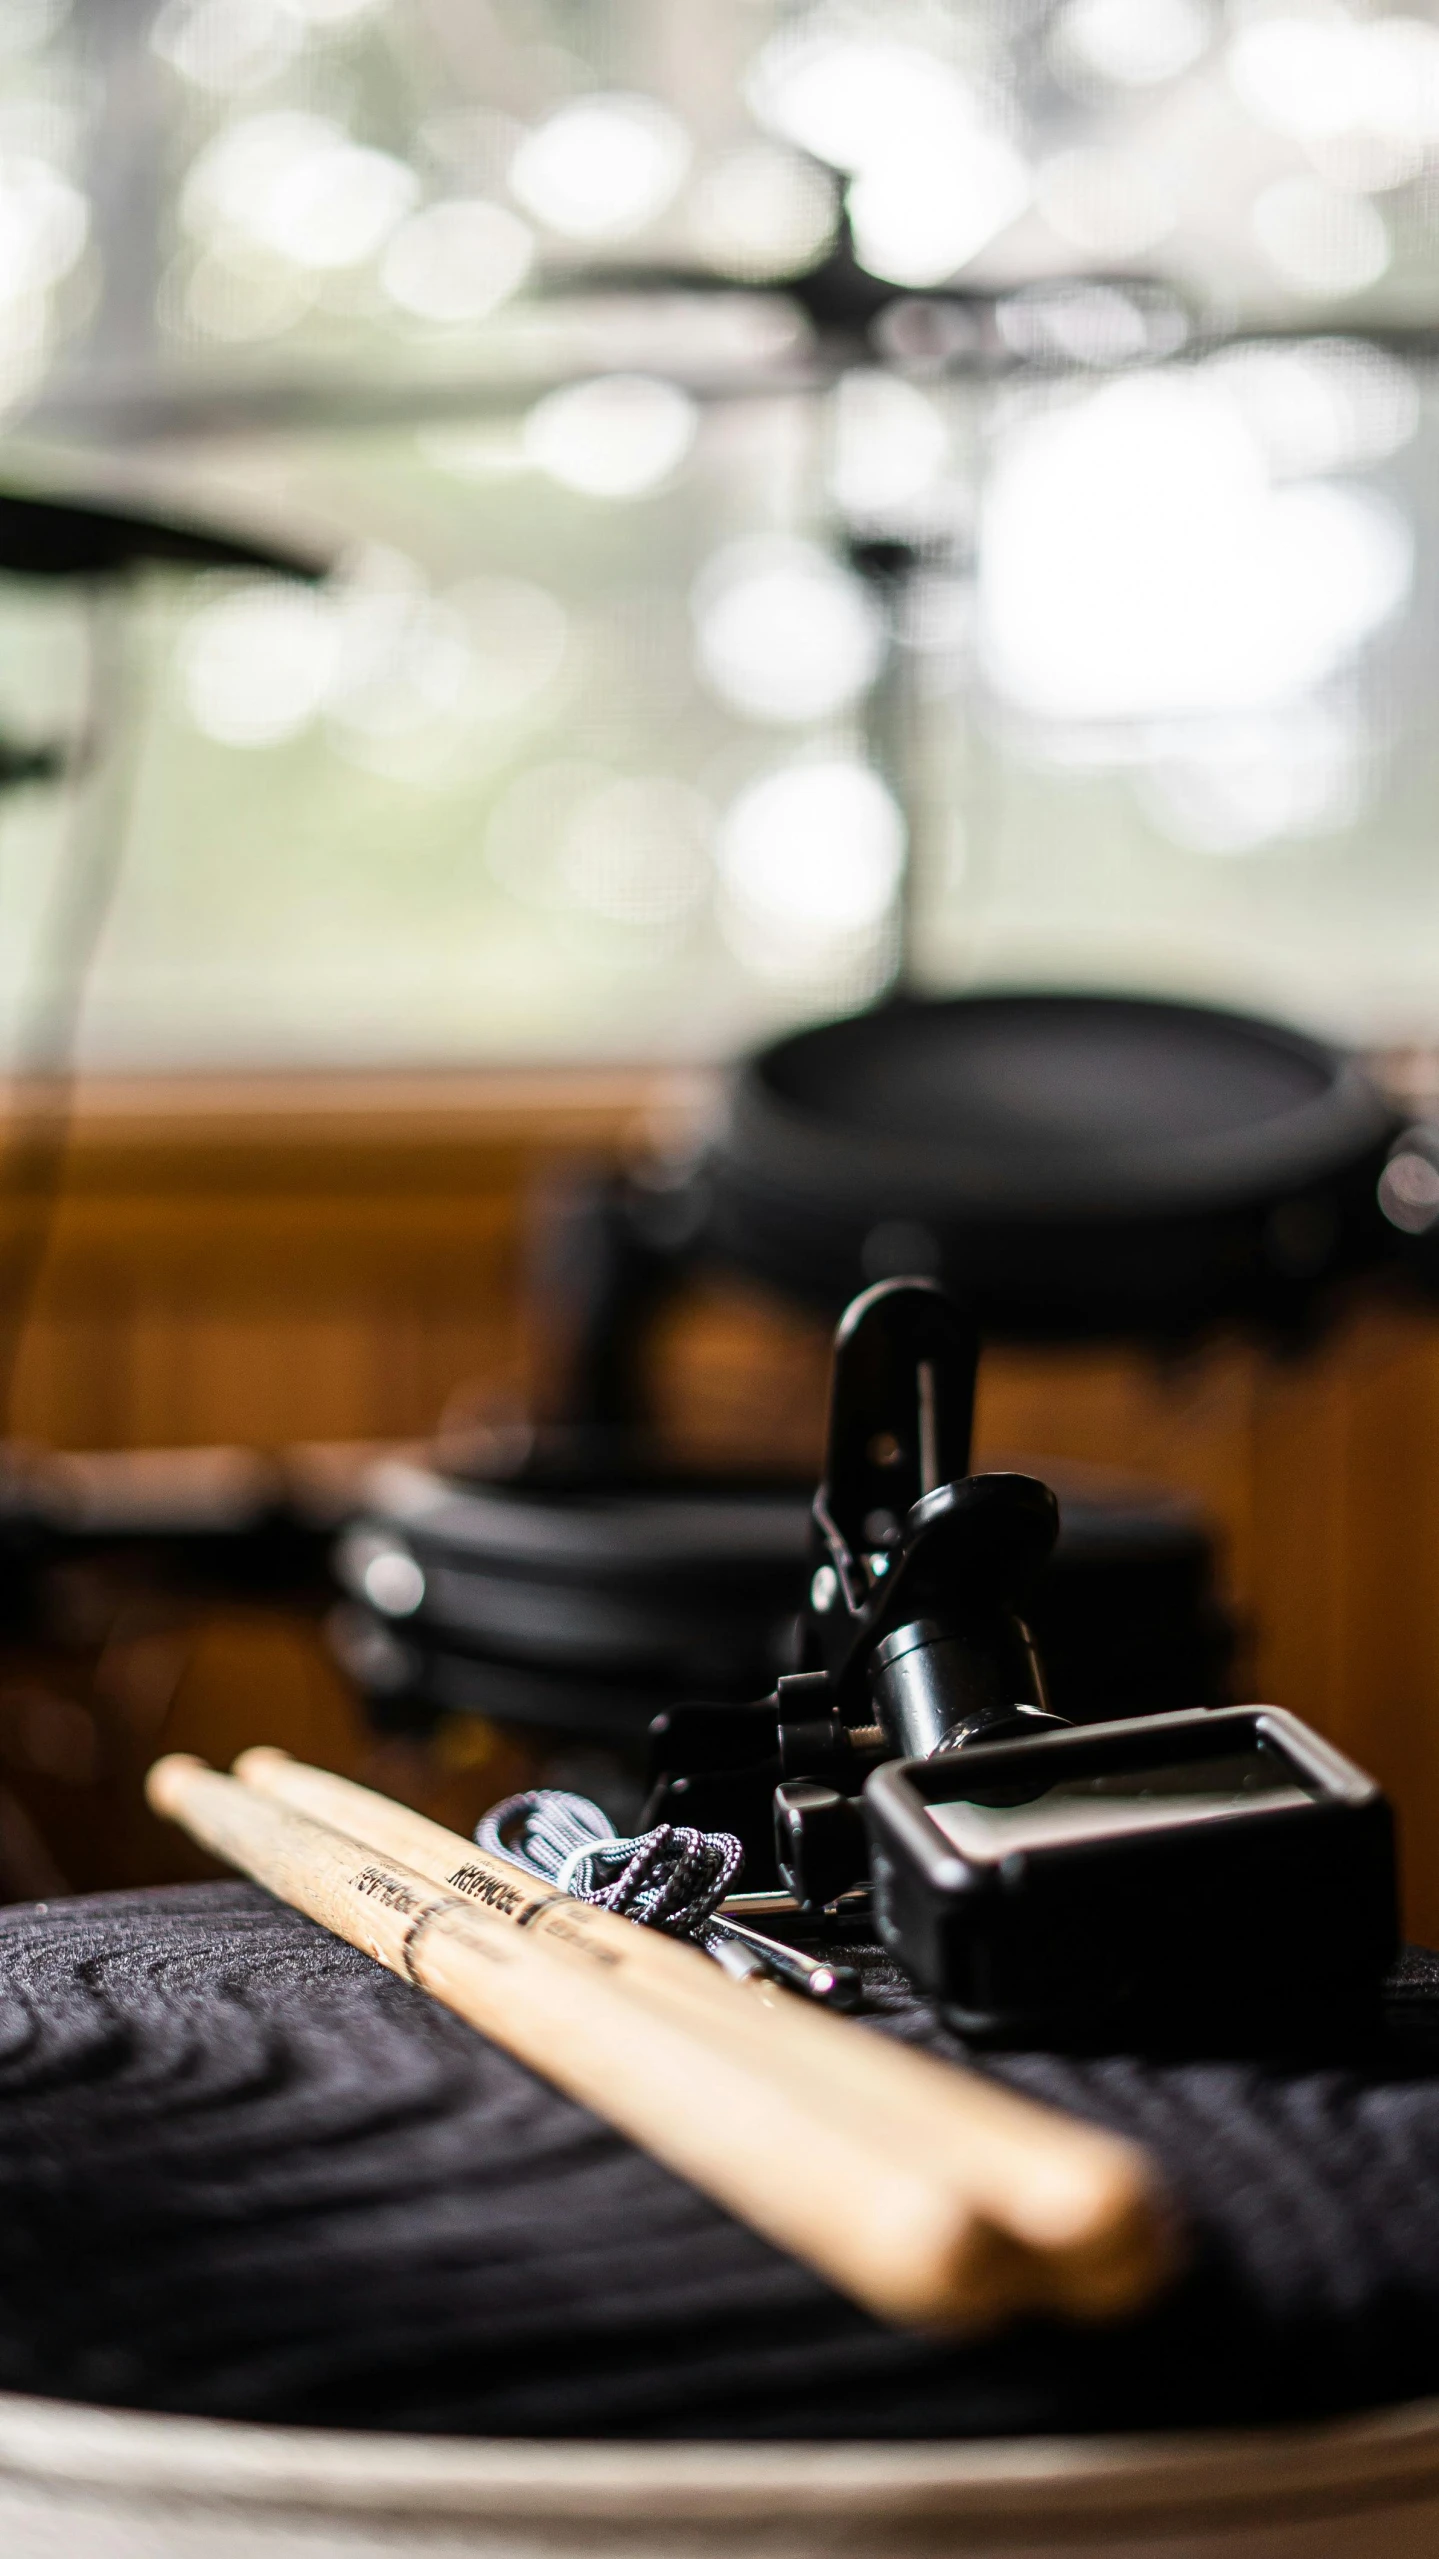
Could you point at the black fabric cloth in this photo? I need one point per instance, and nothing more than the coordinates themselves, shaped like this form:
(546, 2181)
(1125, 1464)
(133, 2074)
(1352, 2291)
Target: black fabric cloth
(245, 2173)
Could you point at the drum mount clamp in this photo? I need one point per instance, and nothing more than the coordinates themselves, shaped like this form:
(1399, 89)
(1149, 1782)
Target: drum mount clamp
(1158, 1877)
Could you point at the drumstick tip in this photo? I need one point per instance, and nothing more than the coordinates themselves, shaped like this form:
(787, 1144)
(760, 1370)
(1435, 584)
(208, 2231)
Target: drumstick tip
(168, 1779)
(260, 1756)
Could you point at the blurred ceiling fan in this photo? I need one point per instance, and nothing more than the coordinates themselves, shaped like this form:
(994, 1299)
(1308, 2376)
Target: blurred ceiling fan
(714, 335)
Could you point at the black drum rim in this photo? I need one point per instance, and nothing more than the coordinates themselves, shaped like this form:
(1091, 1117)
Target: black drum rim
(630, 1535)
(776, 1145)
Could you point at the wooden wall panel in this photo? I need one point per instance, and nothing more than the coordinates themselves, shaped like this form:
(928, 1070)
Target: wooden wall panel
(298, 1262)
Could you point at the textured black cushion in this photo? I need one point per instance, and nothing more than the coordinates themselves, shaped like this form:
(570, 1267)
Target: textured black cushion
(245, 2173)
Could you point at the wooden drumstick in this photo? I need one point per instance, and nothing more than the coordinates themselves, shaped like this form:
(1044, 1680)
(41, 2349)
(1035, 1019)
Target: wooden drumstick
(908, 2248)
(1081, 2204)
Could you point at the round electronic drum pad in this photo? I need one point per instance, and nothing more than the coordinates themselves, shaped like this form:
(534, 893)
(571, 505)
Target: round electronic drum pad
(582, 1603)
(1069, 1164)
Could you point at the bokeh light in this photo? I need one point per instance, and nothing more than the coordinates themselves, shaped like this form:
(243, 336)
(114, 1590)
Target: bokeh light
(918, 218)
(618, 437)
(856, 99)
(227, 46)
(890, 446)
(44, 225)
(931, 179)
(1136, 562)
(809, 856)
(1318, 240)
(299, 187)
(1134, 43)
(256, 665)
(1363, 95)
(1409, 1190)
(601, 167)
(457, 261)
(762, 212)
(376, 652)
(783, 633)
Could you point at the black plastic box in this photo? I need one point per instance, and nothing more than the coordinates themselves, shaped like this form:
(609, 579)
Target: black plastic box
(1220, 1880)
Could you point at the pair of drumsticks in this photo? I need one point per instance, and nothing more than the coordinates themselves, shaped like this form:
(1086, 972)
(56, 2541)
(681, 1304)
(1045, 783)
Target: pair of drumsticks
(931, 2195)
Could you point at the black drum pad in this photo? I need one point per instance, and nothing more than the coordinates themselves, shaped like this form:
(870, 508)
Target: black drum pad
(1070, 1165)
(244, 2173)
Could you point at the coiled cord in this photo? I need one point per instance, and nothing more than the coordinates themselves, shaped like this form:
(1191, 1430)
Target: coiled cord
(671, 1877)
